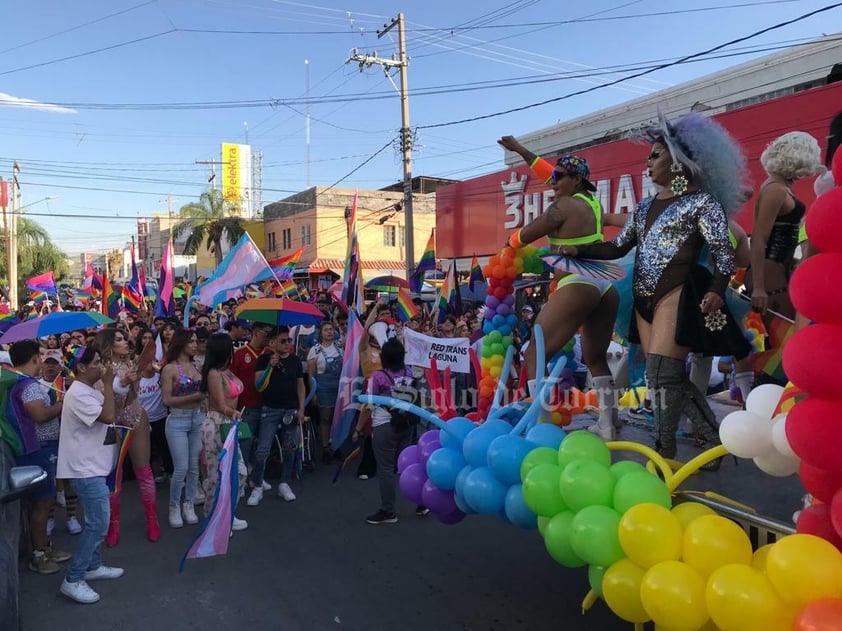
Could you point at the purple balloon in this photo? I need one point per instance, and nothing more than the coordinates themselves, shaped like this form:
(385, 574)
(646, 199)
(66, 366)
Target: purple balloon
(426, 450)
(407, 457)
(451, 518)
(504, 309)
(439, 501)
(488, 313)
(412, 482)
(491, 301)
(429, 437)
(509, 300)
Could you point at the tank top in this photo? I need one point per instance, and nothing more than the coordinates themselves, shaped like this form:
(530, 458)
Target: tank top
(593, 202)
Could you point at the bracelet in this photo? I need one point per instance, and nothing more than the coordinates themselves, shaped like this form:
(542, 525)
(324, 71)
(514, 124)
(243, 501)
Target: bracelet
(515, 240)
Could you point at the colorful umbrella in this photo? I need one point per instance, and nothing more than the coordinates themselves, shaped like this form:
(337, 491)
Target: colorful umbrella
(387, 283)
(53, 324)
(277, 311)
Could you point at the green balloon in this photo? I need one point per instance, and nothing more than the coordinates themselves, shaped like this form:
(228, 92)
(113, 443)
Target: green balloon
(623, 467)
(494, 337)
(542, 524)
(507, 341)
(595, 537)
(595, 574)
(540, 490)
(639, 487)
(585, 483)
(498, 349)
(557, 540)
(486, 350)
(583, 444)
(539, 455)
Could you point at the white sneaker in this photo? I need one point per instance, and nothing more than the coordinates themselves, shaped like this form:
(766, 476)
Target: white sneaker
(188, 513)
(103, 572)
(73, 525)
(200, 496)
(239, 524)
(605, 433)
(255, 496)
(175, 517)
(285, 492)
(266, 486)
(79, 591)
(60, 499)
(51, 523)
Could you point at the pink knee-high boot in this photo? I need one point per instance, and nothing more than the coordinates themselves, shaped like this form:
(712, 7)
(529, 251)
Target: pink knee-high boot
(113, 535)
(146, 485)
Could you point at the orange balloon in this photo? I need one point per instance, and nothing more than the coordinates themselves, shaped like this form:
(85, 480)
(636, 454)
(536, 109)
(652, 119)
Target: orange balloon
(494, 260)
(824, 614)
(508, 252)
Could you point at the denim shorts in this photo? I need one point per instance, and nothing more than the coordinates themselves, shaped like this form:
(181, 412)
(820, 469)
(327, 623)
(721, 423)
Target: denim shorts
(45, 458)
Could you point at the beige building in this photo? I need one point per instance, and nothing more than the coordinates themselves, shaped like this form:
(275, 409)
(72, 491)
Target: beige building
(317, 219)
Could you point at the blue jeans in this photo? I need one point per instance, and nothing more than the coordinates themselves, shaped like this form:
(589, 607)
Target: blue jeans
(184, 437)
(94, 497)
(247, 446)
(270, 421)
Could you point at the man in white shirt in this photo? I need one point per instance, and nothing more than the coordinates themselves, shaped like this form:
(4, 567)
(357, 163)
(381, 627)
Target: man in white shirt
(85, 460)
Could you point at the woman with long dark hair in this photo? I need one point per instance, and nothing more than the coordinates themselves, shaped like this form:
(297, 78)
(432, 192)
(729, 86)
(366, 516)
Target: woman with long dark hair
(222, 388)
(324, 362)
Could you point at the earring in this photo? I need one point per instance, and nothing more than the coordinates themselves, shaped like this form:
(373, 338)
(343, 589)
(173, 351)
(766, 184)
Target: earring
(679, 183)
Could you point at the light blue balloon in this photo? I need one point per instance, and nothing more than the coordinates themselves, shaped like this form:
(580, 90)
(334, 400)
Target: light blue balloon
(546, 435)
(463, 505)
(484, 492)
(498, 321)
(511, 320)
(443, 466)
(475, 446)
(517, 511)
(487, 327)
(457, 428)
(505, 455)
(459, 490)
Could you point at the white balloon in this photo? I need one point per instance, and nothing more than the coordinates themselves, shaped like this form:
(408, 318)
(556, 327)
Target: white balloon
(776, 464)
(763, 400)
(745, 434)
(779, 439)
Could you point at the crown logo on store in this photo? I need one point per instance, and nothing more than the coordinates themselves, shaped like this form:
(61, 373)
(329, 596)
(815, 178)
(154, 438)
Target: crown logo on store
(514, 185)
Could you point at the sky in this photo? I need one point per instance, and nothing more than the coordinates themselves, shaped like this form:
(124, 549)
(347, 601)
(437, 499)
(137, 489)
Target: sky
(108, 104)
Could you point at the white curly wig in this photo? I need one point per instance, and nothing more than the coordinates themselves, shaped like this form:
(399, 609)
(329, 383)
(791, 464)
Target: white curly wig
(793, 155)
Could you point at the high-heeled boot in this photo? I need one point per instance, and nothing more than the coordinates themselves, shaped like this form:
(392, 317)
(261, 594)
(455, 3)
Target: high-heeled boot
(113, 535)
(146, 485)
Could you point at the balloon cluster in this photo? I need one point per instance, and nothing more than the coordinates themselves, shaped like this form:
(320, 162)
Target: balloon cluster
(814, 425)
(758, 433)
(499, 317)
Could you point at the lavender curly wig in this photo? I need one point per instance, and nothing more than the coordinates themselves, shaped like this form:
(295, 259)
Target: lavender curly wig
(712, 158)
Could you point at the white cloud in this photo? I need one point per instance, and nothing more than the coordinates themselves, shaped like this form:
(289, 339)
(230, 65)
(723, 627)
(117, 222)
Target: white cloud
(8, 100)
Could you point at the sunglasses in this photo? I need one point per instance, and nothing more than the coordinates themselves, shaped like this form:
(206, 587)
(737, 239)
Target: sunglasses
(555, 176)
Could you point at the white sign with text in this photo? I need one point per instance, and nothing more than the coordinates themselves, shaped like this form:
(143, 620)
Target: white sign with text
(449, 352)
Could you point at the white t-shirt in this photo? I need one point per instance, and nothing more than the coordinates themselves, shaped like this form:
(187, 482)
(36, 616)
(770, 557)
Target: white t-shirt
(151, 400)
(326, 351)
(81, 453)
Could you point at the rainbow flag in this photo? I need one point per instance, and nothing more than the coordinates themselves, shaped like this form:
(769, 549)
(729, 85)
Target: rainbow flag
(110, 299)
(427, 263)
(780, 329)
(284, 266)
(38, 296)
(132, 299)
(406, 308)
(476, 273)
(45, 283)
(82, 298)
(449, 295)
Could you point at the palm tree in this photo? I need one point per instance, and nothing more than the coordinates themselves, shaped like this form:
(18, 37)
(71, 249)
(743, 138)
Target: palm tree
(36, 253)
(208, 221)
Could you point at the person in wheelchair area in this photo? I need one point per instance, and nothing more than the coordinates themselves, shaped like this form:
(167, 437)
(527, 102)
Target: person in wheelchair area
(279, 378)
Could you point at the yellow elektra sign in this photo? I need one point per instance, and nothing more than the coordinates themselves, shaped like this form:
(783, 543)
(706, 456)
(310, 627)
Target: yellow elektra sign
(232, 190)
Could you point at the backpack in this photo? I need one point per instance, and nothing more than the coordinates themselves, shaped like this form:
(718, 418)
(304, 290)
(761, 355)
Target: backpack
(402, 420)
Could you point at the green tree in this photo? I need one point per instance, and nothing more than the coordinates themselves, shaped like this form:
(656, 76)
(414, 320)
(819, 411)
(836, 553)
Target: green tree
(36, 254)
(207, 222)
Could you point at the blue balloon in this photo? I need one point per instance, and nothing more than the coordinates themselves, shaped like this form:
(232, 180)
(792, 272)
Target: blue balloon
(546, 435)
(461, 427)
(459, 490)
(511, 319)
(484, 492)
(498, 321)
(517, 511)
(475, 445)
(505, 455)
(443, 466)
(505, 330)
(487, 327)
(462, 504)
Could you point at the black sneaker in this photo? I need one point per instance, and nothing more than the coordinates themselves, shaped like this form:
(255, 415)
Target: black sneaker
(382, 517)
(422, 511)
(642, 414)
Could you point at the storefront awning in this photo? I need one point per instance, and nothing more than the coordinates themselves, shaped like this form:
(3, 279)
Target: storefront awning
(322, 265)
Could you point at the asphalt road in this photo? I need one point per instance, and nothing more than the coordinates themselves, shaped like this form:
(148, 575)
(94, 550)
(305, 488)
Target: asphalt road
(315, 564)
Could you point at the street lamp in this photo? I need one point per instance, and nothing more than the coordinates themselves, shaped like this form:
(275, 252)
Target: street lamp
(11, 225)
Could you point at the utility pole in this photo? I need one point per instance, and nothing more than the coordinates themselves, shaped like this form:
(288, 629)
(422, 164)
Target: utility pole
(213, 163)
(12, 236)
(401, 63)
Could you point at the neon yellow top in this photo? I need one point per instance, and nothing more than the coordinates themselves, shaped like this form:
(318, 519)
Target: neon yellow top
(733, 239)
(593, 202)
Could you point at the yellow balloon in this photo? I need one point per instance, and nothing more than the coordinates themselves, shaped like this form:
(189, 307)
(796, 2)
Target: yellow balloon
(741, 598)
(758, 561)
(688, 511)
(711, 541)
(673, 594)
(804, 568)
(621, 591)
(650, 534)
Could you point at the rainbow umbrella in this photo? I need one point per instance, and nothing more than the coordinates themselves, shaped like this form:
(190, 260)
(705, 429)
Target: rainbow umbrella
(389, 284)
(53, 324)
(276, 311)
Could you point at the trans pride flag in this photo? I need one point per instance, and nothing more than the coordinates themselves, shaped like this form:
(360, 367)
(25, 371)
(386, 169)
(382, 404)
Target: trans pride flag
(350, 383)
(215, 531)
(244, 264)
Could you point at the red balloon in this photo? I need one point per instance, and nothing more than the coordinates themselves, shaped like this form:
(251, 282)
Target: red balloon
(836, 168)
(821, 484)
(823, 223)
(811, 358)
(824, 614)
(836, 512)
(816, 520)
(500, 293)
(814, 287)
(814, 431)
